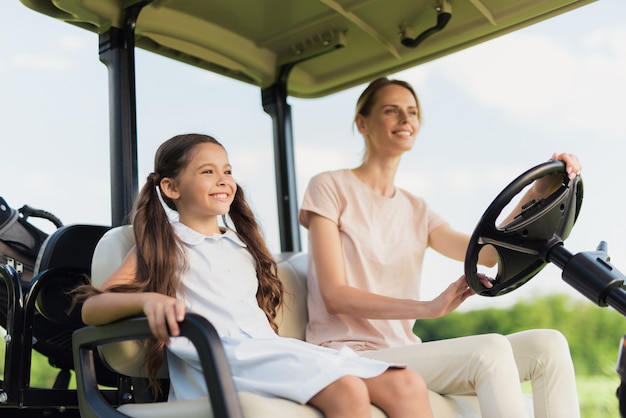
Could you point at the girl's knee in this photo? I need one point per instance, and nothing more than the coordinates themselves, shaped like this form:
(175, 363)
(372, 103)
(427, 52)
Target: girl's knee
(405, 394)
(353, 387)
(414, 383)
(346, 396)
(407, 386)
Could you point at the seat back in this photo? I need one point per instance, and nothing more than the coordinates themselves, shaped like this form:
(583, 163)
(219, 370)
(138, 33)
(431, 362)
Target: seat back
(293, 316)
(64, 261)
(40, 320)
(70, 246)
(127, 357)
(110, 252)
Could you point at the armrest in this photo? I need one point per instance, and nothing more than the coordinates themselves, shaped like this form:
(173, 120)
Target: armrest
(197, 329)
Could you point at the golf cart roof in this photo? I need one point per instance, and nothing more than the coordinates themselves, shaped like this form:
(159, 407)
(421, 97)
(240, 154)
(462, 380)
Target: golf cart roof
(325, 45)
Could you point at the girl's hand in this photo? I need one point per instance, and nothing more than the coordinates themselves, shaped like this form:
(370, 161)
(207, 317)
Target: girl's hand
(163, 313)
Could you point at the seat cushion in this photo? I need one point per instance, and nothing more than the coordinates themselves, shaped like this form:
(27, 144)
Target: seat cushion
(255, 406)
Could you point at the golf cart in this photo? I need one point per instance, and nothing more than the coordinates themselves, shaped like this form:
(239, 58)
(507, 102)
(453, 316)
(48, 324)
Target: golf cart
(313, 49)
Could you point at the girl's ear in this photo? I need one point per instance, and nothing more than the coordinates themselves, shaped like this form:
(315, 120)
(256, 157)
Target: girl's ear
(168, 188)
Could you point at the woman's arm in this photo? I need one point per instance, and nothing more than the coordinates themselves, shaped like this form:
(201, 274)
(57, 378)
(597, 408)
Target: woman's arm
(340, 298)
(162, 311)
(453, 244)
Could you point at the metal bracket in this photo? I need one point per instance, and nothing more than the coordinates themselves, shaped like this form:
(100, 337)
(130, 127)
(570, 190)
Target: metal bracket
(317, 44)
(444, 14)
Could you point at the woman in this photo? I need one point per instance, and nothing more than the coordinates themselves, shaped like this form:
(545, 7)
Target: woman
(367, 241)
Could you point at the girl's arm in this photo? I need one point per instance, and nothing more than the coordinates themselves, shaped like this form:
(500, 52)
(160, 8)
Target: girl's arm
(340, 298)
(162, 311)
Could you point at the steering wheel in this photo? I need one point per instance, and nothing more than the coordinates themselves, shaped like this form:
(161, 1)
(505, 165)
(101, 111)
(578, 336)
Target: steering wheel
(521, 243)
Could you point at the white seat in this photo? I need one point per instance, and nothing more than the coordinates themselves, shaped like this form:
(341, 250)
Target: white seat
(127, 357)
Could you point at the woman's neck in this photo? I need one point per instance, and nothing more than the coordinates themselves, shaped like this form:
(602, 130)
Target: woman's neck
(379, 175)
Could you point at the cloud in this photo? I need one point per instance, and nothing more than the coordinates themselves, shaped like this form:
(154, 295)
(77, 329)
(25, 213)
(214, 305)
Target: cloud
(460, 180)
(417, 78)
(568, 85)
(39, 62)
(313, 159)
(209, 78)
(60, 54)
(417, 181)
(516, 72)
(73, 43)
(608, 40)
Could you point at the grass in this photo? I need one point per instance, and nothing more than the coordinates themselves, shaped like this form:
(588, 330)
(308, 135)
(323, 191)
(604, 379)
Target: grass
(597, 396)
(42, 374)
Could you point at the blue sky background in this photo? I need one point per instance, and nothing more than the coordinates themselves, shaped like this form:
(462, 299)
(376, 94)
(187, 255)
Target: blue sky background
(490, 113)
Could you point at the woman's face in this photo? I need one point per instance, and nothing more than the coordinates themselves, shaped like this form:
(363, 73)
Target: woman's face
(392, 124)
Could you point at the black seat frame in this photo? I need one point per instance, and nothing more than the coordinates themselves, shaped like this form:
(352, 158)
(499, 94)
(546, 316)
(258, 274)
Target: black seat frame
(64, 261)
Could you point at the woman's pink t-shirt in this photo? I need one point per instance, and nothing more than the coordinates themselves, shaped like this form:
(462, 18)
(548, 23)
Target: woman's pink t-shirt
(383, 240)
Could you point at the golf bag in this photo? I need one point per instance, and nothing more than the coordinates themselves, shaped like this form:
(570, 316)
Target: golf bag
(20, 242)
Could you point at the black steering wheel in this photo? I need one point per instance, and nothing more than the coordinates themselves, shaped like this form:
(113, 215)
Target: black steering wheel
(521, 243)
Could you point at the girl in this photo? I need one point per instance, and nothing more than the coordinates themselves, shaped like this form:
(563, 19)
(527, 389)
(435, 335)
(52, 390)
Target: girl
(229, 276)
(367, 241)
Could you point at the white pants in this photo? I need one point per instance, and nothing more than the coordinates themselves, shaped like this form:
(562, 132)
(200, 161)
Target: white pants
(492, 367)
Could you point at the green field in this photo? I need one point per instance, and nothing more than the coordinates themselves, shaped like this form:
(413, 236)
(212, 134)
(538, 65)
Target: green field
(596, 396)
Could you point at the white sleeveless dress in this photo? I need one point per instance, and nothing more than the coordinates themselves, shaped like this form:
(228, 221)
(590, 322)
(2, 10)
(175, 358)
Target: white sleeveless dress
(220, 284)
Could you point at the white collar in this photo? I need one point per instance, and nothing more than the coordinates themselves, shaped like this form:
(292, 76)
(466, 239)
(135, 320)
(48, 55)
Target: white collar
(192, 237)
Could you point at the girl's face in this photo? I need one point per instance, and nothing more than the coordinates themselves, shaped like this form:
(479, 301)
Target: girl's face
(392, 124)
(204, 189)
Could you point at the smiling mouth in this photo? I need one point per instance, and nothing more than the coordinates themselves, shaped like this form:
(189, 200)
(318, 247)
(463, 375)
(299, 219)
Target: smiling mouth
(220, 196)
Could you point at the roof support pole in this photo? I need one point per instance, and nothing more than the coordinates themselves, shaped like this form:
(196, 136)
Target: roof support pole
(275, 104)
(117, 47)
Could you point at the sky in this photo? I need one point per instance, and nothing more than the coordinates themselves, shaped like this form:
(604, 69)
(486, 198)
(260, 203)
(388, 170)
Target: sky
(490, 113)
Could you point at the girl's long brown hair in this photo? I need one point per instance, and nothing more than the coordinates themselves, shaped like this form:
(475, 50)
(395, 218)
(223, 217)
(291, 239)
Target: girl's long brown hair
(160, 255)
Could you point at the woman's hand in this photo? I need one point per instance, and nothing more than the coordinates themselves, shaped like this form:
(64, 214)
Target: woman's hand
(454, 295)
(163, 313)
(451, 298)
(572, 165)
(544, 186)
(485, 280)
